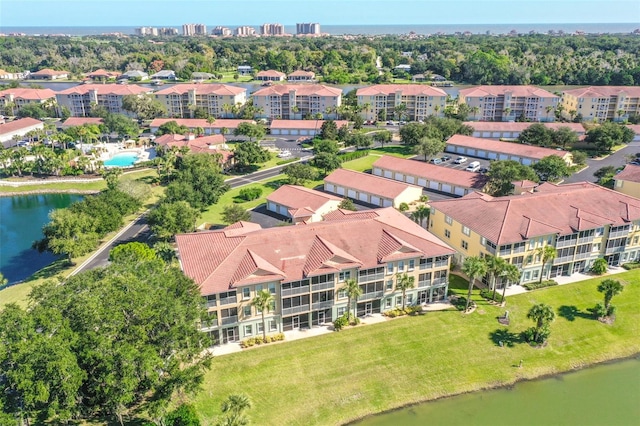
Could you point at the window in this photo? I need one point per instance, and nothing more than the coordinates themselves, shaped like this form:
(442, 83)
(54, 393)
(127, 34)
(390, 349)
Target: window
(532, 244)
(466, 231)
(248, 330)
(246, 293)
(448, 220)
(272, 325)
(341, 311)
(536, 273)
(388, 302)
(635, 240)
(412, 263)
(447, 233)
(398, 300)
(344, 276)
(389, 285)
(410, 298)
(389, 268)
(246, 311)
(342, 294)
(259, 328)
(465, 245)
(400, 266)
(599, 232)
(527, 276)
(272, 288)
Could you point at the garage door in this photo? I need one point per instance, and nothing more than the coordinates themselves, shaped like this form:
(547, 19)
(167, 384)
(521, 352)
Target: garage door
(276, 132)
(492, 156)
(482, 154)
(387, 174)
(363, 197)
(516, 135)
(271, 207)
(504, 157)
(422, 182)
(295, 132)
(375, 200)
(446, 188)
(486, 134)
(459, 191)
(471, 152)
(460, 149)
(434, 185)
(387, 203)
(411, 179)
(351, 193)
(304, 132)
(495, 135)
(329, 187)
(527, 161)
(376, 171)
(340, 190)
(399, 176)
(285, 131)
(283, 211)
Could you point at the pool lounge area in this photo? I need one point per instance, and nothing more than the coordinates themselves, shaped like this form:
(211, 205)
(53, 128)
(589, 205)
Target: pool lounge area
(127, 158)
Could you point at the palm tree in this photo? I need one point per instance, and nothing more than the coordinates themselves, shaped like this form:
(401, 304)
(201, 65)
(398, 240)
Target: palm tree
(403, 283)
(353, 290)
(473, 267)
(262, 302)
(3, 280)
(620, 113)
(420, 214)
(543, 315)
(210, 120)
(547, 253)
(610, 288)
(506, 111)
(234, 407)
(400, 111)
(512, 274)
(295, 109)
(548, 109)
(475, 110)
(495, 267)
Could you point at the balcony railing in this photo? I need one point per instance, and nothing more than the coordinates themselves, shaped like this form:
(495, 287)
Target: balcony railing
(618, 234)
(438, 281)
(424, 266)
(211, 303)
(228, 300)
(442, 263)
(295, 309)
(424, 283)
(229, 320)
(370, 277)
(296, 290)
(372, 295)
(563, 259)
(611, 250)
(585, 240)
(322, 286)
(322, 305)
(566, 243)
(583, 255)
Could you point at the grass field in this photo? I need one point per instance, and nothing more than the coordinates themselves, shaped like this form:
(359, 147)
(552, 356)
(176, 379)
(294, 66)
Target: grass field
(365, 163)
(337, 377)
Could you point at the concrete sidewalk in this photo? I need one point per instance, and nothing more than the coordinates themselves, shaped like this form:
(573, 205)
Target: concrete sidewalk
(562, 280)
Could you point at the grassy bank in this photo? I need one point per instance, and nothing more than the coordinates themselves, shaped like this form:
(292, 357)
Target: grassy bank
(338, 377)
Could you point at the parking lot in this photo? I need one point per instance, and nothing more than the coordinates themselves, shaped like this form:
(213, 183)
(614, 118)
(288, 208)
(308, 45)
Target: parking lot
(451, 162)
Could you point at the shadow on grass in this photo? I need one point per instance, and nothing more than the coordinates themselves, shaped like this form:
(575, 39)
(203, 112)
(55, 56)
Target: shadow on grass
(275, 184)
(150, 180)
(571, 312)
(51, 270)
(403, 150)
(503, 337)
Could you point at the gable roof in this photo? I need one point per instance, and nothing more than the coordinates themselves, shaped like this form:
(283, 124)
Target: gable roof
(432, 172)
(301, 201)
(604, 91)
(21, 123)
(49, 72)
(368, 183)
(631, 173)
(509, 126)
(304, 124)
(203, 89)
(103, 73)
(238, 255)
(522, 150)
(516, 91)
(302, 73)
(28, 93)
(193, 123)
(299, 89)
(404, 89)
(561, 209)
(106, 89)
(270, 73)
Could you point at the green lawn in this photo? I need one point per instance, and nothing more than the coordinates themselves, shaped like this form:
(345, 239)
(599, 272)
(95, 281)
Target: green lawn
(337, 377)
(227, 77)
(365, 163)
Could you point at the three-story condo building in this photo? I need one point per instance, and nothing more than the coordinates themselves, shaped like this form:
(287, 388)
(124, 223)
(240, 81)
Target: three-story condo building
(420, 101)
(297, 101)
(80, 99)
(217, 100)
(306, 266)
(508, 103)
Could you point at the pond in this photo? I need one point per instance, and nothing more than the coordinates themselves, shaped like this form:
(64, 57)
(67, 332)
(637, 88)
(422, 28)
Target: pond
(603, 395)
(21, 221)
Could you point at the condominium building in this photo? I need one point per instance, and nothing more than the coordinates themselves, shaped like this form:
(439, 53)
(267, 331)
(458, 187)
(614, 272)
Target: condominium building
(12, 100)
(420, 101)
(167, 31)
(146, 31)
(615, 103)
(297, 101)
(216, 99)
(582, 221)
(272, 29)
(508, 103)
(194, 29)
(305, 267)
(308, 28)
(81, 98)
(628, 180)
(245, 31)
(222, 31)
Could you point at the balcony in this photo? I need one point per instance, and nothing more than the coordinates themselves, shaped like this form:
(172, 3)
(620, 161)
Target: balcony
(563, 259)
(424, 283)
(295, 310)
(438, 281)
(586, 240)
(322, 305)
(583, 255)
(611, 250)
(294, 291)
(370, 296)
(370, 277)
(423, 266)
(566, 243)
(442, 263)
(228, 300)
(229, 320)
(211, 303)
(322, 286)
(619, 234)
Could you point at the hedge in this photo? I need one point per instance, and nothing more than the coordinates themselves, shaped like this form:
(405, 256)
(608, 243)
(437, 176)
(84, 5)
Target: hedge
(536, 285)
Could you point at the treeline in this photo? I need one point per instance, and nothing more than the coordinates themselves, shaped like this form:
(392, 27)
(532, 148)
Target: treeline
(477, 59)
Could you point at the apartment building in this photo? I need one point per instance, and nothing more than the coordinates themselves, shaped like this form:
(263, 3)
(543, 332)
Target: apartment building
(613, 103)
(244, 31)
(81, 98)
(307, 28)
(13, 130)
(221, 31)
(420, 101)
(194, 30)
(508, 103)
(305, 267)
(12, 100)
(272, 29)
(146, 31)
(628, 181)
(296, 101)
(582, 221)
(216, 99)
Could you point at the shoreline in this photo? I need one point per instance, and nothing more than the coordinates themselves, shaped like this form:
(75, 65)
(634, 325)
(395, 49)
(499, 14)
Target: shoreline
(506, 385)
(50, 191)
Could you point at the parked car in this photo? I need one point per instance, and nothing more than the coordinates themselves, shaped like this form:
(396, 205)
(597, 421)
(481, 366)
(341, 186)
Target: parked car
(474, 166)
(436, 161)
(445, 158)
(460, 160)
(483, 170)
(284, 154)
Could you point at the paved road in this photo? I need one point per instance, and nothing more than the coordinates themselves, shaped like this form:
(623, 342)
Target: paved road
(616, 159)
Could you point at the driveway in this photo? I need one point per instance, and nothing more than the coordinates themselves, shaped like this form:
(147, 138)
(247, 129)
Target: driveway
(616, 160)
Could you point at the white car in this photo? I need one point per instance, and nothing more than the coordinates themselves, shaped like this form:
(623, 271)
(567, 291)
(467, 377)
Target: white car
(284, 154)
(460, 160)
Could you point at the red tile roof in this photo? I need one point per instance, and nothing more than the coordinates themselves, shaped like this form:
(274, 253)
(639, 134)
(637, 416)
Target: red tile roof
(524, 184)
(301, 201)
(193, 123)
(203, 89)
(304, 124)
(27, 93)
(516, 91)
(271, 73)
(552, 209)
(507, 126)
(221, 260)
(171, 140)
(103, 73)
(301, 73)
(107, 89)
(604, 91)
(405, 89)
(21, 123)
(432, 172)
(80, 121)
(522, 150)
(48, 72)
(365, 182)
(631, 173)
(300, 89)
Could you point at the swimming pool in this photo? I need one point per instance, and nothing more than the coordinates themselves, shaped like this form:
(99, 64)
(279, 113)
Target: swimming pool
(124, 159)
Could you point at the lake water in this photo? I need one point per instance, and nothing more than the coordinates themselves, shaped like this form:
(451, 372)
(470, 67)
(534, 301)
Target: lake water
(21, 221)
(606, 395)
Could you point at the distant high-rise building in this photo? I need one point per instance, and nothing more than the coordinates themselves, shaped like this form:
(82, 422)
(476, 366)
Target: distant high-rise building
(245, 31)
(146, 31)
(221, 31)
(167, 31)
(308, 28)
(194, 29)
(272, 29)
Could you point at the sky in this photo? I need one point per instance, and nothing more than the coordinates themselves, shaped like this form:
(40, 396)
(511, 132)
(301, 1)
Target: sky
(17, 13)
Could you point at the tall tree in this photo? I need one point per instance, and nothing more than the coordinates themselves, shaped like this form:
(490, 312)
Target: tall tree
(542, 314)
(299, 173)
(503, 172)
(382, 137)
(249, 154)
(404, 282)
(428, 147)
(547, 254)
(473, 267)
(353, 291)
(171, 218)
(68, 233)
(551, 168)
(536, 134)
(235, 213)
(262, 302)
(609, 288)
(495, 267)
(512, 274)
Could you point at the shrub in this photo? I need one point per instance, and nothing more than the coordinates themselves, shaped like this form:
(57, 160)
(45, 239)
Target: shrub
(340, 323)
(488, 294)
(536, 285)
(599, 266)
(459, 302)
(250, 194)
(184, 415)
(599, 311)
(631, 265)
(424, 198)
(529, 335)
(403, 207)
(348, 156)
(279, 336)
(259, 341)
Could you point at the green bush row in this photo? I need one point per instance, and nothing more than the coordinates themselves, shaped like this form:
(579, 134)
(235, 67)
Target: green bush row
(631, 265)
(488, 294)
(251, 341)
(398, 312)
(348, 156)
(536, 285)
